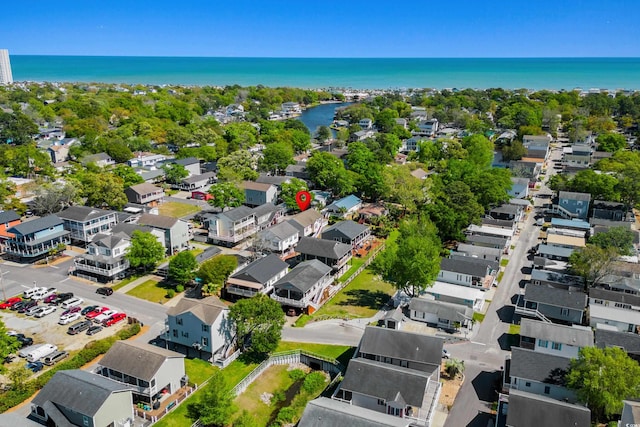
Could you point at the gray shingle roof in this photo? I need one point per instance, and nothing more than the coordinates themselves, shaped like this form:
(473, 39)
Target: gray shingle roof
(199, 178)
(207, 310)
(346, 229)
(621, 297)
(138, 360)
(262, 270)
(307, 218)
(555, 277)
(207, 254)
(553, 296)
(283, 231)
(65, 388)
(630, 342)
(157, 221)
(267, 208)
(468, 265)
(144, 188)
(322, 248)
(531, 410)
(402, 345)
(535, 366)
(109, 240)
(444, 310)
(479, 250)
(128, 229)
(555, 251)
(82, 213)
(238, 213)
(34, 225)
(325, 412)
(570, 195)
(8, 216)
(303, 276)
(487, 240)
(557, 333)
(386, 381)
(503, 223)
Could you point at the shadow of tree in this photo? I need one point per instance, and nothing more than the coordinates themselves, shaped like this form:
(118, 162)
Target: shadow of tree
(365, 298)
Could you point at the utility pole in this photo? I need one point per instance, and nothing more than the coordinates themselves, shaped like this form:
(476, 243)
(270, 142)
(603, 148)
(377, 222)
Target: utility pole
(4, 294)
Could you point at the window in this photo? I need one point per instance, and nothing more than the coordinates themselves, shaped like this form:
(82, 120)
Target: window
(205, 328)
(527, 384)
(556, 346)
(153, 382)
(85, 420)
(185, 334)
(543, 343)
(443, 321)
(178, 321)
(621, 305)
(205, 341)
(564, 312)
(404, 363)
(175, 333)
(598, 301)
(380, 401)
(547, 389)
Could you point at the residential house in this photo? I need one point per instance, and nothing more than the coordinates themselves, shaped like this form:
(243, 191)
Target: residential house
(495, 242)
(325, 412)
(349, 232)
(507, 212)
(257, 194)
(268, 215)
(299, 170)
(619, 310)
(280, 238)
(576, 157)
(200, 328)
(345, 207)
(468, 271)
(191, 164)
(611, 211)
(571, 224)
(291, 108)
(58, 153)
(152, 176)
(546, 302)
(105, 258)
(506, 224)
(413, 143)
(572, 205)
(257, 277)
(485, 230)
(401, 122)
(309, 222)
(99, 159)
(365, 123)
(361, 135)
(195, 182)
(83, 222)
(428, 127)
(553, 252)
(563, 239)
(629, 342)
(523, 168)
(456, 294)
(145, 160)
(334, 254)
(145, 194)
(530, 410)
(519, 188)
(8, 219)
(276, 180)
(232, 226)
(623, 277)
(537, 146)
(80, 398)
(420, 173)
(148, 370)
(35, 239)
(556, 279)
(305, 287)
(176, 231)
(478, 252)
(538, 373)
(440, 314)
(554, 339)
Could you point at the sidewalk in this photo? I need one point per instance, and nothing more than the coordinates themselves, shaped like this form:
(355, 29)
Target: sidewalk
(138, 281)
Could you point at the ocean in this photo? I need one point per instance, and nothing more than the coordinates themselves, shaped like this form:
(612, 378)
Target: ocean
(360, 73)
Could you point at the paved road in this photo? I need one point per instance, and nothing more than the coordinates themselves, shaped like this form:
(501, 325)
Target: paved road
(328, 332)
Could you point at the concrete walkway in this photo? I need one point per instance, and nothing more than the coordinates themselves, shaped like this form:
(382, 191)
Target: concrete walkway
(138, 281)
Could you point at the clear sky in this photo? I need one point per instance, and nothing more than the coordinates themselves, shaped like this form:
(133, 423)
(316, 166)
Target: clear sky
(329, 28)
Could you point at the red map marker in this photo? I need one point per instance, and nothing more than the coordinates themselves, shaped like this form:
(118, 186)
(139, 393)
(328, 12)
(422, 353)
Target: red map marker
(303, 199)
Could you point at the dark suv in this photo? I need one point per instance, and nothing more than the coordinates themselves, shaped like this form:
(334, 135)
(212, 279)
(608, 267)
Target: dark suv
(104, 291)
(63, 297)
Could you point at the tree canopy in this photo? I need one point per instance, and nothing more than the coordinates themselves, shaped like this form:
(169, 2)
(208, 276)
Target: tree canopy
(618, 238)
(145, 250)
(182, 268)
(258, 321)
(214, 406)
(215, 271)
(226, 195)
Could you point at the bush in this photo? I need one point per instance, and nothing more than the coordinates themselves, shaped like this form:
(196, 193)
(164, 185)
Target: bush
(286, 415)
(180, 288)
(171, 293)
(314, 382)
(127, 333)
(278, 396)
(297, 374)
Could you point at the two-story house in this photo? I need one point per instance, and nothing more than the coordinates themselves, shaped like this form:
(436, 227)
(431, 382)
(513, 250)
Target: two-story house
(232, 226)
(81, 398)
(555, 339)
(268, 215)
(349, 232)
(507, 212)
(308, 222)
(200, 328)
(479, 252)
(144, 194)
(334, 254)
(629, 342)
(572, 205)
(305, 287)
(345, 207)
(546, 302)
(83, 223)
(441, 314)
(257, 277)
(147, 368)
(105, 258)
(324, 411)
(496, 242)
(35, 239)
(176, 231)
(468, 271)
(556, 279)
(530, 410)
(612, 211)
(256, 193)
(619, 310)
(145, 160)
(280, 238)
(8, 219)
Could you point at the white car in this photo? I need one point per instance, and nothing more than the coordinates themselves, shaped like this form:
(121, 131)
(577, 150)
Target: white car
(104, 316)
(34, 310)
(46, 310)
(72, 302)
(68, 318)
(44, 294)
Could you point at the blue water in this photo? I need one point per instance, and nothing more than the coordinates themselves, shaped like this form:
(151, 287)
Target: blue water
(322, 115)
(361, 73)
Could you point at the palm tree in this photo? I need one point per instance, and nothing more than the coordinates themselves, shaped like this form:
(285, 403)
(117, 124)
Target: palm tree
(454, 367)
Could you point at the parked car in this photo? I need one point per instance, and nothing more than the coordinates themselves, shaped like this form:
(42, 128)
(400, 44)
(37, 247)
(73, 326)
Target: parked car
(17, 306)
(74, 309)
(9, 302)
(86, 310)
(445, 354)
(72, 302)
(51, 299)
(24, 340)
(26, 306)
(118, 317)
(63, 297)
(104, 316)
(29, 293)
(45, 311)
(42, 295)
(94, 330)
(68, 318)
(34, 310)
(54, 358)
(104, 291)
(35, 366)
(96, 312)
(78, 327)
(40, 351)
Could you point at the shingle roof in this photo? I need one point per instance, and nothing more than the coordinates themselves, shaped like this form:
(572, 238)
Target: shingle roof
(136, 359)
(487, 240)
(157, 221)
(556, 277)
(264, 209)
(8, 216)
(207, 254)
(468, 265)
(348, 229)
(262, 270)
(402, 345)
(109, 240)
(275, 180)
(256, 186)
(386, 381)
(284, 230)
(570, 195)
(238, 213)
(553, 296)
(83, 213)
(322, 248)
(198, 178)
(536, 366)
(325, 412)
(479, 250)
(207, 309)
(532, 410)
(444, 310)
(303, 276)
(128, 229)
(569, 335)
(630, 342)
(346, 203)
(66, 387)
(307, 218)
(144, 188)
(492, 222)
(34, 225)
(621, 297)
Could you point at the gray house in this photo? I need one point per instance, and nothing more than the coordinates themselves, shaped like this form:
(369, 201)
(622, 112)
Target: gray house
(556, 279)
(325, 412)
(530, 410)
(148, 369)
(176, 231)
(280, 238)
(488, 241)
(305, 287)
(554, 339)
(468, 271)
(627, 341)
(441, 314)
(257, 277)
(105, 258)
(546, 302)
(611, 211)
(349, 232)
(80, 398)
(573, 205)
(334, 254)
(83, 222)
(479, 252)
(145, 194)
(257, 194)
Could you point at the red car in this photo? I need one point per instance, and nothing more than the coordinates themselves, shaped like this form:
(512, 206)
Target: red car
(98, 311)
(115, 319)
(10, 302)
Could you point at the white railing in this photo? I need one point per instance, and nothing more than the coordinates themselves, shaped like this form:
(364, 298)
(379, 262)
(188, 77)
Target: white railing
(103, 271)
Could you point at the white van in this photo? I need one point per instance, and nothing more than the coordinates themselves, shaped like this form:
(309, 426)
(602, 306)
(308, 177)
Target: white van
(72, 302)
(29, 293)
(41, 352)
(24, 351)
(55, 357)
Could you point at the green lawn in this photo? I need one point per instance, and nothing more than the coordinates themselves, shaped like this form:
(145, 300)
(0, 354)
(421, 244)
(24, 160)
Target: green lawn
(499, 278)
(478, 317)
(125, 282)
(151, 291)
(504, 262)
(198, 370)
(514, 329)
(341, 353)
(355, 264)
(177, 209)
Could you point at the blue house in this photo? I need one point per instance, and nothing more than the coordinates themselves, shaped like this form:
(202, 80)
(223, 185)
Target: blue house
(573, 205)
(35, 239)
(345, 207)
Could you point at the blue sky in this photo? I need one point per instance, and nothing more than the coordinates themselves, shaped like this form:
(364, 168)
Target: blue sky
(311, 28)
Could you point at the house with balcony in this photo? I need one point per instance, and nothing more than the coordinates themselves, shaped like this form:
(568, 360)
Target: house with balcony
(440, 314)
(176, 231)
(195, 182)
(146, 368)
(507, 212)
(334, 254)
(478, 252)
(546, 302)
(145, 160)
(83, 222)
(305, 287)
(348, 232)
(456, 294)
(537, 146)
(627, 341)
(617, 310)
(257, 277)
(200, 328)
(268, 215)
(145, 194)
(105, 259)
(280, 238)
(489, 242)
(191, 164)
(8, 219)
(551, 338)
(488, 231)
(572, 205)
(80, 398)
(309, 222)
(35, 239)
(468, 271)
(232, 226)
(256, 193)
(428, 127)
(345, 207)
(525, 409)
(291, 108)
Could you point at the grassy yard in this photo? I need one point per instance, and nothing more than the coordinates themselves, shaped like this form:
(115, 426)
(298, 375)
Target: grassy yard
(499, 278)
(504, 262)
(478, 317)
(514, 329)
(342, 353)
(125, 282)
(177, 209)
(355, 265)
(198, 370)
(151, 291)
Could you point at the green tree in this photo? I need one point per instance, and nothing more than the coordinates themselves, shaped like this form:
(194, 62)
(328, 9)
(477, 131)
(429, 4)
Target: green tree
(600, 185)
(145, 251)
(119, 151)
(182, 268)
(240, 135)
(479, 150)
(592, 263)
(174, 173)
(276, 157)
(611, 142)
(16, 128)
(128, 175)
(514, 151)
(327, 171)
(19, 377)
(290, 189)
(215, 405)
(52, 198)
(214, 272)
(238, 166)
(602, 378)
(403, 188)
(454, 367)
(103, 190)
(226, 195)
(453, 208)
(618, 238)
(8, 344)
(258, 321)
(245, 419)
(323, 133)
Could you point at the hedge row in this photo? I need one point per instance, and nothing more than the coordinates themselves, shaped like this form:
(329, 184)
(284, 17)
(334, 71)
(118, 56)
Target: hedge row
(93, 349)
